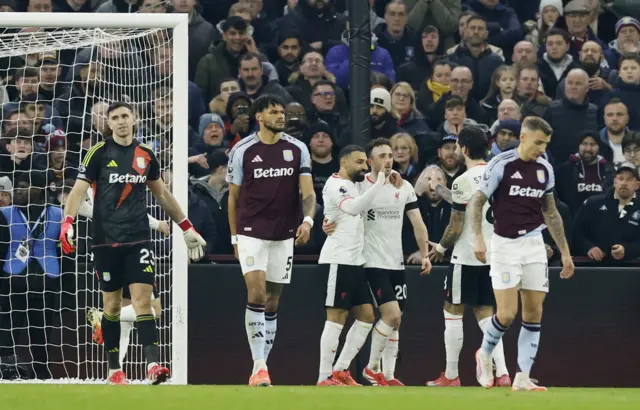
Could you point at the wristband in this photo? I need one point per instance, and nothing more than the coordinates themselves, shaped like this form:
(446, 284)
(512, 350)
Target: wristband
(440, 249)
(185, 224)
(308, 220)
(234, 239)
(68, 219)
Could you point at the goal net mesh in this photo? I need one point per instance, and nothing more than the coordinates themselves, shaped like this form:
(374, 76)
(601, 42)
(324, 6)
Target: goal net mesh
(58, 84)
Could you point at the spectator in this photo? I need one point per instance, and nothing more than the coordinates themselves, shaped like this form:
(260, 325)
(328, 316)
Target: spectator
(30, 278)
(503, 86)
(43, 116)
(570, 116)
(577, 15)
(550, 10)
(442, 14)
(323, 162)
(502, 24)
(456, 119)
(506, 137)
(70, 6)
(338, 64)
(211, 131)
(534, 101)
(450, 160)
(311, 71)
(49, 70)
(19, 157)
(627, 41)
(607, 227)
(297, 123)
(14, 117)
(383, 123)
(462, 33)
(395, 35)
(153, 6)
(524, 53)
(461, 85)
(62, 163)
(417, 70)
(239, 124)
(616, 119)
(222, 60)
(403, 108)
(628, 88)
(591, 60)
(507, 110)
(405, 156)
(587, 173)
(8, 6)
(97, 125)
(317, 21)
(39, 6)
(631, 148)
(119, 6)
(254, 83)
(325, 108)
(379, 80)
(435, 87)
(228, 86)
(556, 62)
(289, 53)
(6, 192)
(239, 10)
(26, 82)
(474, 54)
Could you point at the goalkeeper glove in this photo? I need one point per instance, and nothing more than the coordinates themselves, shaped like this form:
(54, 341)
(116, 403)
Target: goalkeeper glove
(66, 235)
(195, 243)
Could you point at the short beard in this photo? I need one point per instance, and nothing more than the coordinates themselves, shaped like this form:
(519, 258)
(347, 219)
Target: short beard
(356, 177)
(274, 128)
(591, 68)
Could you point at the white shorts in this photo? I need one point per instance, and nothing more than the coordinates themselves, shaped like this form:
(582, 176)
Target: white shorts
(273, 257)
(519, 262)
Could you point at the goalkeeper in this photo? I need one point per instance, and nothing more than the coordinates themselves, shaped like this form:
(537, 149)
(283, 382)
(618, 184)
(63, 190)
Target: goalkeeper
(120, 169)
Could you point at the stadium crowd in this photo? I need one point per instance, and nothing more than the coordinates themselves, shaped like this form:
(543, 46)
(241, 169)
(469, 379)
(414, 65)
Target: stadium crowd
(437, 66)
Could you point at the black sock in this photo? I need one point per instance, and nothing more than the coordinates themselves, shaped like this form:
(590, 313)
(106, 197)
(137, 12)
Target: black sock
(111, 334)
(148, 337)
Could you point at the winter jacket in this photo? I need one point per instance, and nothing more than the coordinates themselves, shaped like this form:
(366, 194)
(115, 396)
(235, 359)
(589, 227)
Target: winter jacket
(569, 121)
(552, 74)
(573, 51)
(300, 90)
(414, 123)
(8, 168)
(473, 109)
(597, 97)
(503, 25)
(217, 204)
(214, 67)
(388, 130)
(401, 50)
(482, 68)
(599, 223)
(535, 106)
(442, 14)
(612, 55)
(606, 149)
(203, 222)
(577, 181)
(201, 34)
(268, 87)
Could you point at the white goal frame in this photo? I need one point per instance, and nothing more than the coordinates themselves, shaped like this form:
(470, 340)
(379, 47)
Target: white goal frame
(179, 24)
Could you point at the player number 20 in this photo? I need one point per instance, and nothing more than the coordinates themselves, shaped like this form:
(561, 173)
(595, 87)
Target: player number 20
(401, 292)
(144, 257)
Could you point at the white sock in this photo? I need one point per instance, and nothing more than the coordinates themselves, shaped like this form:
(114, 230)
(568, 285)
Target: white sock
(498, 352)
(329, 342)
(125, 335)
(379, 339)
(254, 324)
(453, 339)
(355, 339)
(270, 325)
(528, 342)
(390, 355)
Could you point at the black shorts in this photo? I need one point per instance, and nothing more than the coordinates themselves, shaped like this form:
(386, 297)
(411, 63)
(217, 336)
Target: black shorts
(126, 293)
(469, 285)
(347, 286)
(121, 266)
(387, 286)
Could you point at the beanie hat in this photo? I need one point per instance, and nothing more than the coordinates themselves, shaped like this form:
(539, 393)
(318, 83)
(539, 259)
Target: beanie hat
(207, 119)
(512, 125)
(626, 22)
(382, 98)
(554, 3)
(320, 126)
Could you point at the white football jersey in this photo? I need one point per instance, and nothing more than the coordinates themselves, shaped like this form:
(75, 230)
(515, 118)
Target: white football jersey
(463, 189)
(344, 246)
(383, 224)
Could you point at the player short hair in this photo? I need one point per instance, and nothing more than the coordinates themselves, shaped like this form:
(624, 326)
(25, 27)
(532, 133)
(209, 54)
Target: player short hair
(629, 57)
(350, 149)
(377, 142)
(454, 102)
(119, 104)
(475, 141)
(558, 32)
(537, 124)
(265, 101)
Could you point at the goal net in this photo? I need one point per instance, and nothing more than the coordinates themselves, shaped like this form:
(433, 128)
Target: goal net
(58, 83)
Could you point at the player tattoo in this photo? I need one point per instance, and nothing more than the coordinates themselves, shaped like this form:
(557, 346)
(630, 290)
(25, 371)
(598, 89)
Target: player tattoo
(453, 230)
(554, 223)
(309, 205)
(475, 210)
(444, 192)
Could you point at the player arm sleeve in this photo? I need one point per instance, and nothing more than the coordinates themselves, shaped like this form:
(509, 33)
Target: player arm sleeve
(305, 161)
(234, 169)
(551, 183)
(460, 194)
(90, 166)
(492, 176)
(354, 206)
(154, 167)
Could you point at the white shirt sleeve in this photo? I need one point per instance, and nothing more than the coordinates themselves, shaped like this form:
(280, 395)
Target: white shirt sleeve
(492, 177)
(411, 193)
(461, 191)
(551, 183)
(354, 206)
(234, 169)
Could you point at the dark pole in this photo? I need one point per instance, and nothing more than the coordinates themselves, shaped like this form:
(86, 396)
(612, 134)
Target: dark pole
(360, 63)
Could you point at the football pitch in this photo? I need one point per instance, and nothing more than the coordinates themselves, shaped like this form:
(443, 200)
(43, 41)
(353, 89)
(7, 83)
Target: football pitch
(140, 397)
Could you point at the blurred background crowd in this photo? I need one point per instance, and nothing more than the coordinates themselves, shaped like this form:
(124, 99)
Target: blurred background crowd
(437, 66)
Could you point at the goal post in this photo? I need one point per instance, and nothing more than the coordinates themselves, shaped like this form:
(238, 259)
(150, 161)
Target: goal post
(56, 32)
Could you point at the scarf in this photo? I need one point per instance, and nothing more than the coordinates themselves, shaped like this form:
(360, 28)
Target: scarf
(437, 89)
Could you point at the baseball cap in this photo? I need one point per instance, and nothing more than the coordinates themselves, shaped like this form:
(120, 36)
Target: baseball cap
(217, 159)
(207, 119)
(627, 22)
(6, 185)
(48, 57)
(382, 98)
(628, 166)
(447, 139)
(57, 139)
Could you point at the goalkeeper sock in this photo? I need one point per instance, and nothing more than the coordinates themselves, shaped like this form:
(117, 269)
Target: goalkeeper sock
(254, 324)
(453, 340)
(379, 340)
(355, 339)
(528, 346)
(125, 336)
(111, 333)
(270, 325)
(390, 356)
(148, 338)
(498, 352)
(329, 342)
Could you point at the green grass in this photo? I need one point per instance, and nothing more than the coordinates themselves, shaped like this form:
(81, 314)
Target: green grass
(98, 397)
